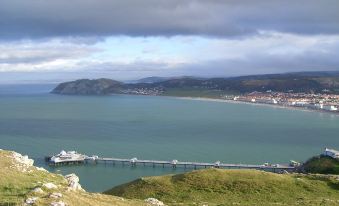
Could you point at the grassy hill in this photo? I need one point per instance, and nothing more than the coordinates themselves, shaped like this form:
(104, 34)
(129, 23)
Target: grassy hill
(307, 82)
(321, 165)
(18, 181)
(234, 187)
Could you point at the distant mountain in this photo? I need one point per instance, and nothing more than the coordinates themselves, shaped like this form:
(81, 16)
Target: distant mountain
(151, 80)
(307, 82)
(88, 87)
(160, 79)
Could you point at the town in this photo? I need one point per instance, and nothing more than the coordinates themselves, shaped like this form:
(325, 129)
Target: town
(324, 102)
(144, 91)
(314, 101)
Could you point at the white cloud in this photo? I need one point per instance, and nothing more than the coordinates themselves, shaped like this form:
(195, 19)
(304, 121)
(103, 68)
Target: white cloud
(125, 57)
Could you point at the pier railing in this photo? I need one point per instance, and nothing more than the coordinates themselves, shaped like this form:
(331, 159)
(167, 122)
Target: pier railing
(175, 163)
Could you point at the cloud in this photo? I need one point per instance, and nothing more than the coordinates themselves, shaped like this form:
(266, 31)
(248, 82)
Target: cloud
(41, 55)
(231, 18)
(125, 58)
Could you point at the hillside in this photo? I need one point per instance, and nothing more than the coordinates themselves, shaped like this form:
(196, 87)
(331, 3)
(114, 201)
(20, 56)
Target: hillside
(316, 82)
(88, 87)
(234, 187)
(21, 182)
(321, 165)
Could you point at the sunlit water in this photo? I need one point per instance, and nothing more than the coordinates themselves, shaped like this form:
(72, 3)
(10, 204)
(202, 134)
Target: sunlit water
(36, 123)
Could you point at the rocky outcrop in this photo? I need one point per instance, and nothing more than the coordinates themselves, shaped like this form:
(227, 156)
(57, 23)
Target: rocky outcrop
(154, 202)
(73, 182)
(31, 200)
(21, 162)
(37, 190)
(21, 183)
(50, 185)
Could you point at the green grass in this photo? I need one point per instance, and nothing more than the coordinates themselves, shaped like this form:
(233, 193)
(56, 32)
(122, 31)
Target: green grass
(16, 186)
(322, 165)
(210, 187)
(234, 187)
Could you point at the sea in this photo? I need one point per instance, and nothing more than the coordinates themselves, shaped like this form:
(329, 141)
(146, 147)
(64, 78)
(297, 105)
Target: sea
(38, 124)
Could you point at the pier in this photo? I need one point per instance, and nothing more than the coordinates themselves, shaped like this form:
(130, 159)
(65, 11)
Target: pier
(73, 158)
(196, 165)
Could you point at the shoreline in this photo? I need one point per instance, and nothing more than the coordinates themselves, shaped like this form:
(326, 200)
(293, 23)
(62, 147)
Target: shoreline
(255, 104)
(230, 101)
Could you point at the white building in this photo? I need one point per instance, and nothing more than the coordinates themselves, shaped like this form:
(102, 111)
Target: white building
(70, 156)
(331, 153)
(330, 108)
(267, 101)
(319, 106)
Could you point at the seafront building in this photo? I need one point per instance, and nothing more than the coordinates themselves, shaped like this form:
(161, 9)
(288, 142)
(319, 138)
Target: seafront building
(325, 102)
(331, 153)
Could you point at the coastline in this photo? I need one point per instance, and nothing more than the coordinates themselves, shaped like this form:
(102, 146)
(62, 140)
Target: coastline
(234, 102)
(256, 104)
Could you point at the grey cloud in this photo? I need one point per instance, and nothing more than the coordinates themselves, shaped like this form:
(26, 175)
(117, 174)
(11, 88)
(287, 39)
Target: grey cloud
(21, 53)
(261, 63)
(231, 18)
(254, 64)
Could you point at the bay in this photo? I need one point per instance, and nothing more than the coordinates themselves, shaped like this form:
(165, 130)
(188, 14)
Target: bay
(38, 124)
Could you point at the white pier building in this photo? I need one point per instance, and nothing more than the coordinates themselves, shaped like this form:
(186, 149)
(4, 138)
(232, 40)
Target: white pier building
(67, 157)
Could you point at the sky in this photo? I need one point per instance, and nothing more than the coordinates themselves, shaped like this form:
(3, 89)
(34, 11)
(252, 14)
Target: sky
(60, 40)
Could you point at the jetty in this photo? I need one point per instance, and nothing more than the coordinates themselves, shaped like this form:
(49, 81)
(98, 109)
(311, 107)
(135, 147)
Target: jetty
(73, 157)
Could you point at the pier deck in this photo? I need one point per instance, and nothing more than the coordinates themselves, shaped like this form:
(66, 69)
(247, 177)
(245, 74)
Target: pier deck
(195, 165)
(174, 163)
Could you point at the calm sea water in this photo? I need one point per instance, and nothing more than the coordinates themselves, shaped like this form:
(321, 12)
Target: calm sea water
(36, 123)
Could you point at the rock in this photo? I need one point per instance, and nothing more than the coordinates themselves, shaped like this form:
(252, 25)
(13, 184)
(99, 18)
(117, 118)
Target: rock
(21, 163)
(50, 185)
(154, 202)
(55, 195)
(31, 200)
(73, 182)
(41, 169)
(60, 203)
(23, 159)
(37, 190)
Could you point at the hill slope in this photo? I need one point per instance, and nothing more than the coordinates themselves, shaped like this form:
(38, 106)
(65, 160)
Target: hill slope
(322, 165)
(20, 182)
(189, 86)
(88, 87)
(234, 187)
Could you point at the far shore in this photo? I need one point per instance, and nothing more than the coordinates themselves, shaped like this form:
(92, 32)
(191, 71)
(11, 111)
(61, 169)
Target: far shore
(257, 104)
